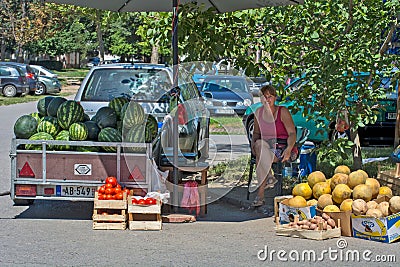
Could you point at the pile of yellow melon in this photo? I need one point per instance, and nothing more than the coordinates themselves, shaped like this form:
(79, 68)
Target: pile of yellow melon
(346, 190)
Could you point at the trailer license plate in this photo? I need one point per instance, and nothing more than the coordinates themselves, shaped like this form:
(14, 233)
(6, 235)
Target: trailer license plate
(391, 115)
(76, 191)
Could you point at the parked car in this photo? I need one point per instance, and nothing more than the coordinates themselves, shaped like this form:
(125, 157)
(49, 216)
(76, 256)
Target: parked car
(29, 74)
(94, 61)
(151, 86)
(48, 81)
(226, 94)
(13, 81)
(379, 133)
(255, 84)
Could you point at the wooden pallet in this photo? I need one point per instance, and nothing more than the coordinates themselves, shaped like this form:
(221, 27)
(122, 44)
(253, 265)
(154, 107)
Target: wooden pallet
(116, 217)
(391, 179)
(144, 217)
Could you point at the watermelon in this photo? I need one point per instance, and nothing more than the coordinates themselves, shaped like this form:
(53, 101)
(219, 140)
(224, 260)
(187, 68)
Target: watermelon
(39, 136)
(106, 117)
(78, 131)
(62, 136)
(88, 148)
(86, 117)
(117, 103)
(42, 105)
(54, 105)
(151, 128)
(136, 134)
(68, 113)
(134, 114)
(93, 130)
(37, 116)
(109, 134)
(49, 125)
(25, 126)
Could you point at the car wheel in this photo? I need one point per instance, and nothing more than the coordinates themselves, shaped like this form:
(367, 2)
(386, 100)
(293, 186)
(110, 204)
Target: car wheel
(9, 90)
(41, 89)
(250, 128)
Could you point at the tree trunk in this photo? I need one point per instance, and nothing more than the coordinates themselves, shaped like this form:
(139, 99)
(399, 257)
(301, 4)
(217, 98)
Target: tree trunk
(99, 34)
(154, 54)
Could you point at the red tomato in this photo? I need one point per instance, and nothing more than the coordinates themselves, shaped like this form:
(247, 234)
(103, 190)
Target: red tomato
(119, 196)
(127, 191)
(117, 190)
(141, 202)
(109, 191)
(108, 186)
(101, 197)
(134, 201)
(118, 186)
(111, 180)
(151, 201)
(110, 197)
(102, 189)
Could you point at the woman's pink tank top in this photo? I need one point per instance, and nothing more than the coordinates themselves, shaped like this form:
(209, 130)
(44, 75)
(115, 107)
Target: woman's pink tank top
(271, 130)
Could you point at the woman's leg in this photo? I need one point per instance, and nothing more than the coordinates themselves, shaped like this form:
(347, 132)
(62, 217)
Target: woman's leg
(264, 159)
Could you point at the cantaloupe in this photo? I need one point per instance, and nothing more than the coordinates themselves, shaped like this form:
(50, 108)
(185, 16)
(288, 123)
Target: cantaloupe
(359, 207)
(324, 200)
(372, 205)
(315, 177)
(340, 193)
(339, 178)
(362, 191)
(356, 178)
(346, 205)
(342, 169)
(374, 184)
(302, 189)
(384, 208)
(321, 188)
(297, 202)
(374, 213)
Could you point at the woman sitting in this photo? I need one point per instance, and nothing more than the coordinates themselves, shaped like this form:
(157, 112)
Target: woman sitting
(273, 140)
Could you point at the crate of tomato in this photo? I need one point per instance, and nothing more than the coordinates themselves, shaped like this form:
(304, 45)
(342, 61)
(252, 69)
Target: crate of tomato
(144, 213)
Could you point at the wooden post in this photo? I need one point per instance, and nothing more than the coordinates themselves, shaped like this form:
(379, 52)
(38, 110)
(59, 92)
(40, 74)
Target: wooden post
(397, 174)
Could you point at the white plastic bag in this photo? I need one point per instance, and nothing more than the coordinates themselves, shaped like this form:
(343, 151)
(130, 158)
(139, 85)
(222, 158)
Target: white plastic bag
(158, 178)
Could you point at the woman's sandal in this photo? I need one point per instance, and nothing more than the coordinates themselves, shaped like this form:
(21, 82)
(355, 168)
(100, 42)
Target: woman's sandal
(271, 182)
(258, 202)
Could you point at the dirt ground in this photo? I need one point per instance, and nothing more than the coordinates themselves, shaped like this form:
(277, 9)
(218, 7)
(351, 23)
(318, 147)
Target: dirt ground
(70, 89)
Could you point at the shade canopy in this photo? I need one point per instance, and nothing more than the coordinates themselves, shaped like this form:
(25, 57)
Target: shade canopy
(166, 5)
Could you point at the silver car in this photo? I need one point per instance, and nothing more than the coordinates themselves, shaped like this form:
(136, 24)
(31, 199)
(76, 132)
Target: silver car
(48, 81)
(151, 86)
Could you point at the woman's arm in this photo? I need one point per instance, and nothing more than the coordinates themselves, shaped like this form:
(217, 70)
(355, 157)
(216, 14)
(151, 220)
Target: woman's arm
(287, 120)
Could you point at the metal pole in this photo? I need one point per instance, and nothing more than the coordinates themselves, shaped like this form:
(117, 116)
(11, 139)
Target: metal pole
(175, 134)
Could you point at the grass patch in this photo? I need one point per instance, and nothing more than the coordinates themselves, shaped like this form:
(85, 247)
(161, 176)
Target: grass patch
(4, 101)
(79, 73)
(226, 125)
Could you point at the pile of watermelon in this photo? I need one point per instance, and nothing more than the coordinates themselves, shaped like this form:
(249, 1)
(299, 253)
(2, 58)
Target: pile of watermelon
(60, 119)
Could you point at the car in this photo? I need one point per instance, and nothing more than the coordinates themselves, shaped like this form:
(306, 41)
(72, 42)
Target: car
(94, 61)
(30, 75)
(255, 84)
(226, 94)
(379, 133)
(48, 81)
(13, 81)
(151, 85)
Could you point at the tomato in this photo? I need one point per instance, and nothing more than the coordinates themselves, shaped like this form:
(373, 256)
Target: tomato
(119, 186)
(134, 201)
(127, 191)
(101, 197)
(112, 180)
(117, 190)
(141, 202)
(108, 186)
(151, 201)
(119, 196)
(102, 189)
(110, 197)
(109, 191)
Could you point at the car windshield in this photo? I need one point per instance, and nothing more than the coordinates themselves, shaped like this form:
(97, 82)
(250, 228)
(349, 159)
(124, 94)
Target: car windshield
(216, 85)
(143, 84)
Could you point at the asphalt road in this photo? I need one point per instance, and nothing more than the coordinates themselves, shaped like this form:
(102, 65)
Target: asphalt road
(60, 234)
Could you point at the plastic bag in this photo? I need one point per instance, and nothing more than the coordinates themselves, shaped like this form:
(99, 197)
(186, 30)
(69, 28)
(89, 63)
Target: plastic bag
(158, 178)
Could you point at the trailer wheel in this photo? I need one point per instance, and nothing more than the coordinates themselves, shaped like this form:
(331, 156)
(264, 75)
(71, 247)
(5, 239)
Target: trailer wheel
(23, 202)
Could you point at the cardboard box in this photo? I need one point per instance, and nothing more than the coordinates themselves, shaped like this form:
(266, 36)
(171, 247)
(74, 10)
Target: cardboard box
(386, 229)
(287, 213)
(345, 221)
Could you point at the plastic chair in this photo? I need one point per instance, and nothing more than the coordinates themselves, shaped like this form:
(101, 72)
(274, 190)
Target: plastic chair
(302, 134)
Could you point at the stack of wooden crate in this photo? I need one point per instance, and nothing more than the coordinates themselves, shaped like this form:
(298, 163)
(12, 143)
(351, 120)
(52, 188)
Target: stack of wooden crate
(110, 214)
(144, 217)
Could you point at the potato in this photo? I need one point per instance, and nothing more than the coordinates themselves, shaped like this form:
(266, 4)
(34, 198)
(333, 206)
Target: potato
(325, 216)
(313, 226)
(331, 222)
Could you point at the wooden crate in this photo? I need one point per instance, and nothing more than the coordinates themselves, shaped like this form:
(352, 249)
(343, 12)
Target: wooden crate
(144, 217)
(116, 216)
(390, 179)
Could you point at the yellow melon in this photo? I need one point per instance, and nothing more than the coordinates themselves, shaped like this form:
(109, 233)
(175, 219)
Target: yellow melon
(302, 189)
(312, 202)
(356, 178)
(297, 202)
(324, 200)
(340, 193)
(321, 188)
(331, 208)
(364, 173)
(339, 178)
(362, 191)
(315, 177)
(346, 205)
(384, 190)
(374, 184)
(342, 169)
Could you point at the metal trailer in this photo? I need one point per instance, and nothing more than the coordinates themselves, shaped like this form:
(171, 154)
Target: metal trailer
(74, 175)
